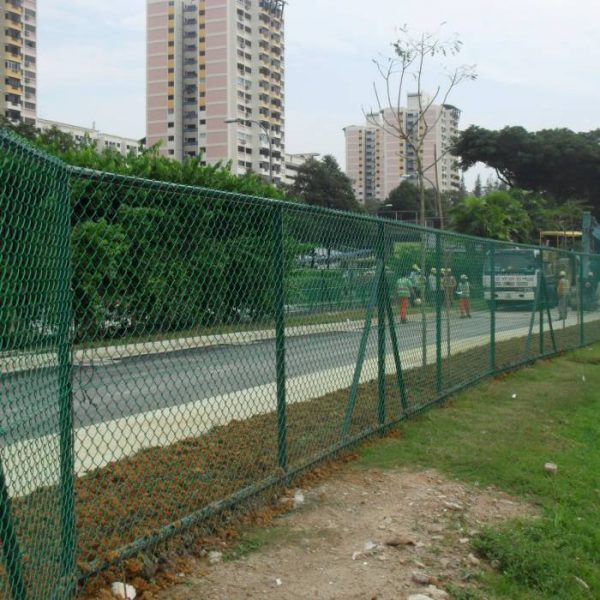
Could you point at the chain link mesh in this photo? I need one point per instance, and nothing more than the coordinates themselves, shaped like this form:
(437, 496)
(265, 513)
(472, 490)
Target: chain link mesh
(168, 352)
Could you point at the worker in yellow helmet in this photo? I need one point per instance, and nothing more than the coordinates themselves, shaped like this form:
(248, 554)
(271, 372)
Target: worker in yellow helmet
(464, 293)
(590, 291)
(404, 288)
(449, 285)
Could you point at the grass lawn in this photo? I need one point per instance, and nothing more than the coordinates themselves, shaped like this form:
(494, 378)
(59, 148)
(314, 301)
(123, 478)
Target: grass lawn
(501, 434)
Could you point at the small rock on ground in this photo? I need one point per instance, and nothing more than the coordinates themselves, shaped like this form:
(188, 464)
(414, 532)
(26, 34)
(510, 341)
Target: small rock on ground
(123, 591)
(421, 578)
(473, 560)
(437, 593)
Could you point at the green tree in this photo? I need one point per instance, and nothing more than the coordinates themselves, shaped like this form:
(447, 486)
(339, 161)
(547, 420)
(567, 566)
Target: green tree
(462, 190)
(497, 216)
(478, 190)
(559, 163)
(322, 183)
(148, 163)
(407, 198)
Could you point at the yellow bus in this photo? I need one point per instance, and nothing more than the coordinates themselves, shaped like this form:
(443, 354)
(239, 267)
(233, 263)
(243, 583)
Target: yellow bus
(561, 239)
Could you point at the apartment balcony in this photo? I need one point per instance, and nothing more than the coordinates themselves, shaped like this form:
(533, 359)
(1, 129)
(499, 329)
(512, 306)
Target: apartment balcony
(15, 74)
(14, 8)
(13, 89)
(14, 105)
(13, 52)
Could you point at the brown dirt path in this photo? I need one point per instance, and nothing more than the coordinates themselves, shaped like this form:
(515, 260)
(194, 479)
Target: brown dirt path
(362, 534)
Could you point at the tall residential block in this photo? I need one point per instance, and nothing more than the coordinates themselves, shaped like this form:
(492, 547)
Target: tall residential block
(378, 159)
(211, 61)
(18, 69)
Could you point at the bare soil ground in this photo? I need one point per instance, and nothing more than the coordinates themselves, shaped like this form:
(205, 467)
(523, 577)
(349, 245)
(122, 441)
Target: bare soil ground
(362, 534)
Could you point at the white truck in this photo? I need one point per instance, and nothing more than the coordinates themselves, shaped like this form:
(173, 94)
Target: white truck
(517, 276)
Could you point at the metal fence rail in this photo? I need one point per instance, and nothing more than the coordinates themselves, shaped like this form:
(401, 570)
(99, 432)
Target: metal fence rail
(168, 352)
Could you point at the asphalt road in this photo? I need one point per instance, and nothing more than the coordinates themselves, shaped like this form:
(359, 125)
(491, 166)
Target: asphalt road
(123, 387)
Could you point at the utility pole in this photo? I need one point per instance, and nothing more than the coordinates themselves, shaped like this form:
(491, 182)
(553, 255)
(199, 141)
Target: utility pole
(269, 141)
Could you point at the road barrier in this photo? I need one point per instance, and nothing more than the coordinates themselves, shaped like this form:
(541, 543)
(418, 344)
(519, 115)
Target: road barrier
(170, 352)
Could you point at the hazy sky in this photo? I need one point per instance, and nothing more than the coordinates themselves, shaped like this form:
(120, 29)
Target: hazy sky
(537, 62)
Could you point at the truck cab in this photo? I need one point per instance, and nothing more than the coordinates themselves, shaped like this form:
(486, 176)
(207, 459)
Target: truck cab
(517, 273)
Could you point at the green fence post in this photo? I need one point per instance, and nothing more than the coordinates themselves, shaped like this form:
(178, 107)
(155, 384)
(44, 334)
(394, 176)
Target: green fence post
(438, 312)
(550, 326)
(279, 288)
(541, 302)
(536, 299)
(493, 309)
(381, 324)
(65, 377)
(395, 350)
(581, 300)
(13, 559)
(362, 352)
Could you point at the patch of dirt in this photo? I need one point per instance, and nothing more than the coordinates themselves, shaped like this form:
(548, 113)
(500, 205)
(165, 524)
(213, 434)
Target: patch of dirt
(363, 534)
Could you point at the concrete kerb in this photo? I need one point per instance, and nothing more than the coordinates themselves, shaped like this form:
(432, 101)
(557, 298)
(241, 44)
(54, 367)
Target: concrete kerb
(101, 444)
(19, 361)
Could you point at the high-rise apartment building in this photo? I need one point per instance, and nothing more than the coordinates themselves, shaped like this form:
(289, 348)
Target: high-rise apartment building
(378, 160)
(18, 69)
(212, 61)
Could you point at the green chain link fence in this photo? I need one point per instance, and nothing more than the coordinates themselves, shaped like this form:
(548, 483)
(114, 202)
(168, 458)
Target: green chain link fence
(168, 352)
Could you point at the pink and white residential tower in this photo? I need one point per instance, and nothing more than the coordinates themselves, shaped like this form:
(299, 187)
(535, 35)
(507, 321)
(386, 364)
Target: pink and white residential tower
(209, 61)
(377, 160)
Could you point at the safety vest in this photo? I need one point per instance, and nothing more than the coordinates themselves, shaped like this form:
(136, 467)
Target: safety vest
(464, 289)
(403, 286)
(563, 287)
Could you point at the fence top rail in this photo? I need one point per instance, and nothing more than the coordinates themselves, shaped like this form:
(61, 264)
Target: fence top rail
(91, 174)
(23, 145)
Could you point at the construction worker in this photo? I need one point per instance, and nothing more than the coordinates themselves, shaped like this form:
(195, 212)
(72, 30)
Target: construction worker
(590, 289)
(432, 287)
(403, 289)
(563, 296)
(415, 276)
(449, 285)
(464, 293)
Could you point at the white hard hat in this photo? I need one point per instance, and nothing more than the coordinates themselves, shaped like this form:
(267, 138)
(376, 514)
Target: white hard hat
(562, 274)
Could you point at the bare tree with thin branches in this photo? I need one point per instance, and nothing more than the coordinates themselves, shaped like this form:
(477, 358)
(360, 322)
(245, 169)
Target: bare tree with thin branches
(412, 57)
